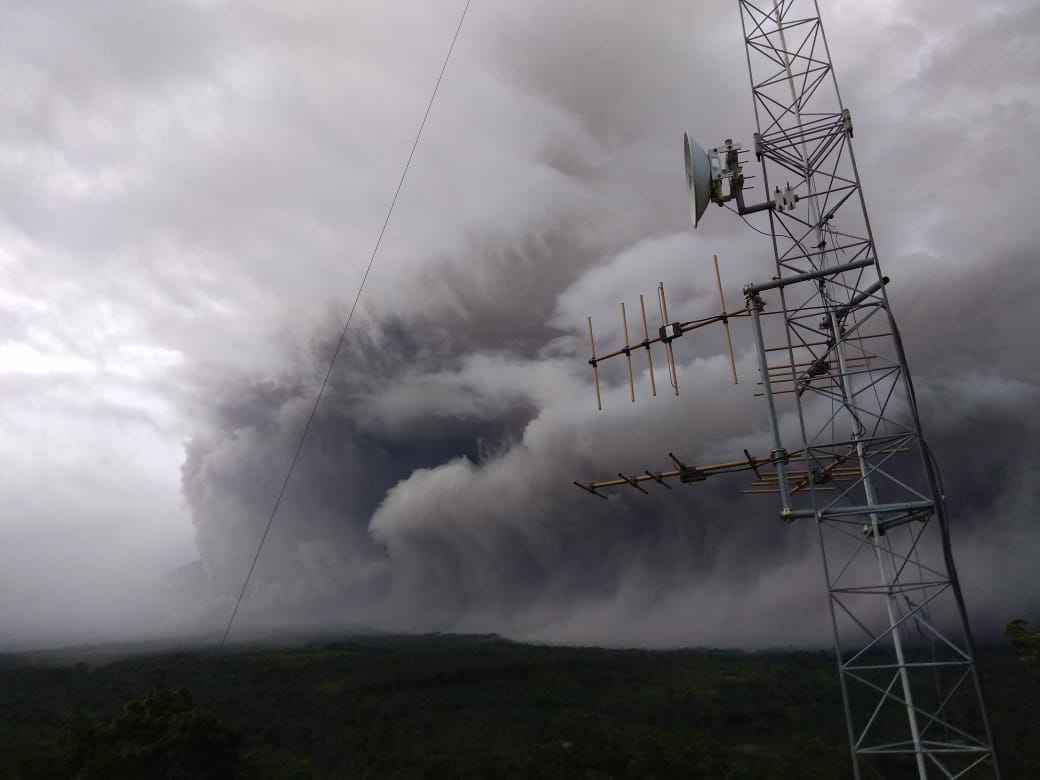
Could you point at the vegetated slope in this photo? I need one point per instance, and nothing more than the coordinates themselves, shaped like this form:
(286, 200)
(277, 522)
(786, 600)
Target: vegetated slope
(461, 707)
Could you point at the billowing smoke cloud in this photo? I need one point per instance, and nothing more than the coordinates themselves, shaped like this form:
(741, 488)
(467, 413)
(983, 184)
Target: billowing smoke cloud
(435, 490)
(434, 493)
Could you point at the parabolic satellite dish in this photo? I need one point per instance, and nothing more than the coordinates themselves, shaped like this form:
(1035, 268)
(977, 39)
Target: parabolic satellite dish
(698, 177)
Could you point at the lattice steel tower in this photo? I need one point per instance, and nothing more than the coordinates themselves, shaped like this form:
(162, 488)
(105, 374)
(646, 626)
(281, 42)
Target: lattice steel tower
(913, 697)
(847, 449)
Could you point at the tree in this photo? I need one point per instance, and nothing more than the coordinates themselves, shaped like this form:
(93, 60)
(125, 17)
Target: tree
(161, 735)
(1026, 642)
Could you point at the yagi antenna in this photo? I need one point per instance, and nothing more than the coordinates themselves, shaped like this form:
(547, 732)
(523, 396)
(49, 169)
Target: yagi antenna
(668, 332)
(687, 474)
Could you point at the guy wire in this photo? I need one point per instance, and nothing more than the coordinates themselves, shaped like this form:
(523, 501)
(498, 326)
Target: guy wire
(343, 333)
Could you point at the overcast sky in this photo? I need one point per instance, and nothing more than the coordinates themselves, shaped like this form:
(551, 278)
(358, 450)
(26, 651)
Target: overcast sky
(190, 192)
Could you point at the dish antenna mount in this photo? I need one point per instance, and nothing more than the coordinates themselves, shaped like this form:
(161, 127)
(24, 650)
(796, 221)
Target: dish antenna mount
(718, 177)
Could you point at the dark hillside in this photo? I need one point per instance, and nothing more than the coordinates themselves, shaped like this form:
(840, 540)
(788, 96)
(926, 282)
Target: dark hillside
(475, 707)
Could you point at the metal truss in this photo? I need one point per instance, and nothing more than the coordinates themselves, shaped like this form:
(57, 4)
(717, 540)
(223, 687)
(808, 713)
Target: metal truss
(836, 382)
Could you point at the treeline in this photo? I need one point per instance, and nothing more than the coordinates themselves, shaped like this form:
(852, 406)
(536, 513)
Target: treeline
(452, 707)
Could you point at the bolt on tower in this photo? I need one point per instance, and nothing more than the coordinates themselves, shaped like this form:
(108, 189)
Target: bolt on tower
(847, 450)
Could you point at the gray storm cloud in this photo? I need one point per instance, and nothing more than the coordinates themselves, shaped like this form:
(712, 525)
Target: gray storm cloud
(193, 196)
(448, 449)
